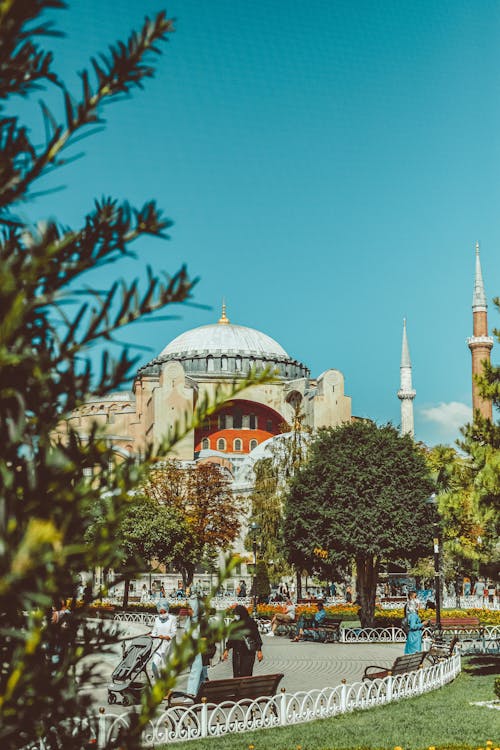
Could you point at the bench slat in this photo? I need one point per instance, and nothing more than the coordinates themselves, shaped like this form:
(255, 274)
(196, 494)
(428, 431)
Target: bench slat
(401, 665)
(233, 689)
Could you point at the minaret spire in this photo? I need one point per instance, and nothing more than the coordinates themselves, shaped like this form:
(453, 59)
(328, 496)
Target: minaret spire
(479, 303)
(480, 344)
(406, 393)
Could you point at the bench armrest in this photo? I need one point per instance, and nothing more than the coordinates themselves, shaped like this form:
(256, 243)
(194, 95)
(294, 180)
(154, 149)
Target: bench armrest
(380, 672)
(178, 698)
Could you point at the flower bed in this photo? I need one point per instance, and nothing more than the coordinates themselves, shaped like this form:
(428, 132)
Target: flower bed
(267, 611)
(386, 617)
(102, 607)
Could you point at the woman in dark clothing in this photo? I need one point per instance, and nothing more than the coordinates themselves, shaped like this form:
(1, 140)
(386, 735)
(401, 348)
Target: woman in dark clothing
(246, 643)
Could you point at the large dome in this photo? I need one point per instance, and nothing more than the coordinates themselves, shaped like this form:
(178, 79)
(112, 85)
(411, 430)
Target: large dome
(227, 351)
(225, 338)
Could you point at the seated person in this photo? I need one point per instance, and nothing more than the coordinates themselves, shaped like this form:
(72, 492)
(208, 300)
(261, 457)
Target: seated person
(318, 618)
(283, 617)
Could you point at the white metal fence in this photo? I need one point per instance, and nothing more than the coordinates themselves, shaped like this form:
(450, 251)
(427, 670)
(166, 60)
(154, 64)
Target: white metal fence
(209, 720)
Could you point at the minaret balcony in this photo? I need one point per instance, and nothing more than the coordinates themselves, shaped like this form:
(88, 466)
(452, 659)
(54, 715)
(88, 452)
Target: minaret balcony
(410, 395)
(486, 341)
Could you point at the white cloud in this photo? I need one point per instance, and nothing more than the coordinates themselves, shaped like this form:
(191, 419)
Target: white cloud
(449, 416)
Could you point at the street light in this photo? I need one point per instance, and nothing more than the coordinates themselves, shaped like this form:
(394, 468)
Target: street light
(254, 531)
(437, 563)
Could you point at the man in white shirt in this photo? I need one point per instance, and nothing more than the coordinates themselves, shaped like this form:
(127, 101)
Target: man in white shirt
(164, 628)
(478, 591)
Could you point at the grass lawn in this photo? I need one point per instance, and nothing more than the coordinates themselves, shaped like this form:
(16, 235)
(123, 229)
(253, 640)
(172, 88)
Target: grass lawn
(441, 719)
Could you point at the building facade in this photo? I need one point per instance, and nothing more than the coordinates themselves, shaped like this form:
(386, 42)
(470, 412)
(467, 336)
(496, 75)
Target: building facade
(195, 366)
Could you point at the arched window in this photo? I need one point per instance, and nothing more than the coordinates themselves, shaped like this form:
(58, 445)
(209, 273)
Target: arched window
(205, 444)
(221, 444)
(222, 421)
(237, 445)
(253, 444)
(237, 363)
(210, 364)
(253, 422)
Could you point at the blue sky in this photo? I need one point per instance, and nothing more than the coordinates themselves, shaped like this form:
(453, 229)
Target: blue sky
(329, 167)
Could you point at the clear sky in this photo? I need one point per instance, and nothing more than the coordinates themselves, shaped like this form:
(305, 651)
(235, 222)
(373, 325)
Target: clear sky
(329, 167)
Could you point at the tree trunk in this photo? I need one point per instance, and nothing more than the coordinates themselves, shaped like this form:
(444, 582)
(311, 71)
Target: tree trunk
(298, 578)
(126, 586)
(187, 573)
(367, 575)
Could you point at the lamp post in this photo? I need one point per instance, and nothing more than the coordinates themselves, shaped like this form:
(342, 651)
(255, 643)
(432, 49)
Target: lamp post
(437, 562)
(254, 533)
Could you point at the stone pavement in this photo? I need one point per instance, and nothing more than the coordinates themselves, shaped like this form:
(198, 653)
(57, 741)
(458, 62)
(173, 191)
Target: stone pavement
(306, 665)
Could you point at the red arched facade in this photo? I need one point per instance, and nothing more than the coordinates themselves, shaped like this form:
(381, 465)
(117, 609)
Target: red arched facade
(238, 427)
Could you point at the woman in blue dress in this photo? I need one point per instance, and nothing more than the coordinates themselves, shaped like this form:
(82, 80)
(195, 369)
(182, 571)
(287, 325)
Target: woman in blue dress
(414, 637)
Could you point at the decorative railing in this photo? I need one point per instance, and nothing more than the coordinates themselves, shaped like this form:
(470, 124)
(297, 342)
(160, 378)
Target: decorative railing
(489, 640)
(490, 637)
(209, 720)
(146, 618)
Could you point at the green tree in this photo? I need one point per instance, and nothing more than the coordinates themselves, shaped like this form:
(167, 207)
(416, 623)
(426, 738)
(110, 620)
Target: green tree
(273, 474)
(361, 497)
(46, 499)
(261, 587)
(467, 525)
(481, 444)
(148, 532)
(210, 514)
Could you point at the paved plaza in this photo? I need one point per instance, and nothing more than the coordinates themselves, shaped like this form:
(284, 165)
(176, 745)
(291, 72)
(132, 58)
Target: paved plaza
(305, 665)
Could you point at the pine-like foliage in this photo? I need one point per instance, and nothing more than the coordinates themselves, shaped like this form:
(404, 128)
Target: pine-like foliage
(481, 443)
(46, 501)
(360, 498)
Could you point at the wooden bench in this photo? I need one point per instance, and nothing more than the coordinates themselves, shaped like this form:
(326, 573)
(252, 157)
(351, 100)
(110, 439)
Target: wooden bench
(459, 626)
(440, 650)
(231, 689)
(327, 632)
(402, 665)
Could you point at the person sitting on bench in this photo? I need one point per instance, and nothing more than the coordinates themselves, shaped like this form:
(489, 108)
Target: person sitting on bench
(318, 618)
(281, 618)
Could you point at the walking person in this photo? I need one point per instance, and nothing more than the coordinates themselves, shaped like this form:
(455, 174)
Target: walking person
(415, 628)
(411, 603)
(164, 628)
(246, 644)
(478, 590)
(61, 632)
(199, 667)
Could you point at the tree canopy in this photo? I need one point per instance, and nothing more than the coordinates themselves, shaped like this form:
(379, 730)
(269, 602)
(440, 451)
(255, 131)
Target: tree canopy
(49, 321)
(360, 497)
(210, 514)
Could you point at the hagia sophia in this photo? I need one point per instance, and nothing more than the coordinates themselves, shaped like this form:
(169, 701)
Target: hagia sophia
(194, 365)
(191, 368)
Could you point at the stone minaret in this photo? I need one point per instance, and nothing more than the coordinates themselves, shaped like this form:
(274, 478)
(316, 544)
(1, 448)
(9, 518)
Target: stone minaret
(406, 393)
(480, 344)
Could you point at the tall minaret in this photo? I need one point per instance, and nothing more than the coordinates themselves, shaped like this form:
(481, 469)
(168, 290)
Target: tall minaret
(480, 344)
(406, 393)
